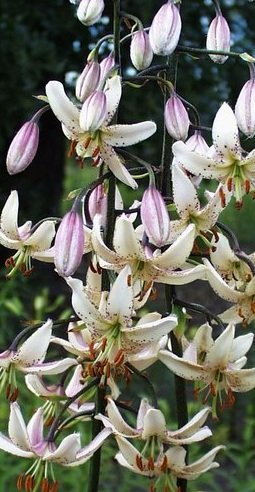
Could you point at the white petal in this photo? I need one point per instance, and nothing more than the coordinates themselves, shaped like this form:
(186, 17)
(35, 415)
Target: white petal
(98, 244)
(143, 409)
(220, 287)
(35, 428)
(183, 368)
(218, 356)
(121, 460)
(121, 306)
(150, 332)
(185, 195)
(8, 446)
(66, 452)
(205, 462)
(34, 349)
(129, 452)
(225, 135)
(117, 423)
(125, 241)
(114, 162)
(154, 424)
(240, 346)
(50, 368)
(223, 257)
(192, 426)
(17, 428)
(176, 255)
(182, 277)
(85, 453)
(62, 107)
(81, 304)
(241, 380)
(198, 164)
(42, 237)
(9, 216)
(113, 94)
(124, 135)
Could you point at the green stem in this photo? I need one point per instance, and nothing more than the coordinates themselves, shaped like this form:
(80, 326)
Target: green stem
(204, 51)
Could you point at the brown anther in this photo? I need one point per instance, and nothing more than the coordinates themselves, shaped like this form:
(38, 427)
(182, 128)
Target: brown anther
(163, 467)
(231, 398)
(54, 487)
(92, 351)
(9, 262)
(230, 184)
(239, 204)
(14, 395)
(71, 151)
(152, 488)
(213, 389)
(96, 161)
(222, 198)
(145, 289)
(91, 370)
(27, 273)
(154, 294)
(92, 268)
(244, 320)
(139, 462)
(29, 483)
(119, 357)
(108, 370)
(96, 152)
(49, 421)
(86, 143)
(215, 234)
(45, 486)
(99, 269)
(213, 249)
(103, 344)
(8, 391)
(247, 186)
(151, 465)
(129, 280)
(20, 482)
(253, 307)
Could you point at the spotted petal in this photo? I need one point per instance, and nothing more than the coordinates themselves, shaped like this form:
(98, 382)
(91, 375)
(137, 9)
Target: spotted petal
(62, 107)
(225, 135)
(34, 349)
(183, 368)
(124, 135)
(9, 217)
(17, 428)
(114, 162)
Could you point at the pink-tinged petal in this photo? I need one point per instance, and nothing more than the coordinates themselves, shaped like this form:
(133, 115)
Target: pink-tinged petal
(82, 305)
(6, 358)
(121, 307)
(241, 380)
(155, 217)
(183, 368)
(9, 447)
(143, 409)
(93, 112)
(220, 287)
(245, 108)
(165, 29)
(129, 452)
(62, 107)
(51, 368)
(176, 255)
(185, 194)
(23, 147)
(154, 424)
(75, 384)
(125, 241)
(9, 217)
(69, 244)
(124, 135)
(199, 164)
(218, 356)
(66, 452)
(225, 135)
(182, 277)
(114, 162)
(205, 463)
(17, 428)
(34, 349)
(121, 460)
(89, 11)
(98, 244)
(41, 238)
(218, 38)
(35, 429)
(36, 385)
(240, 346)
(141, 53)
(192, 426)
(88, 80)
(116, 422)
(85, 453)
(113, 92)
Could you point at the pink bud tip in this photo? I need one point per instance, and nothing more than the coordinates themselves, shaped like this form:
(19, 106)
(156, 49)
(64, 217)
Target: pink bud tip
(23, 148)
(176, 118)
(69, 244)
(154, 216)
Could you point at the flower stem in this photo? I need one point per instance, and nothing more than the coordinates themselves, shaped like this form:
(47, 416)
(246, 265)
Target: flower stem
(95, 462)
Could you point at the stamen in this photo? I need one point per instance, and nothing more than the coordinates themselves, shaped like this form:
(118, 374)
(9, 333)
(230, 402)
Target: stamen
(71, 151)
(247, 186)
(96, 152)
(222, 198)
(151, 463)
(92, 268)
(14, 395)
(45, 486)
(139, 462)
(9, 262)
(230, 184)
(54, 487)
(87, 142)
(20, 482)
(163, 467)
(129, 279)
(96, 161)
(29, 483)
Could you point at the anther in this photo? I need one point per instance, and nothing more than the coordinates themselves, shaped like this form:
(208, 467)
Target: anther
(20, 482)
(45, 486)
(139, 462)
(222, 198)
(151, 463)
(247, 186)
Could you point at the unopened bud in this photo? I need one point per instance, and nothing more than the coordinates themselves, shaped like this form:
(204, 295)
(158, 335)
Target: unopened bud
(154, 216)
(98, 202)
(69, 244)
(23, 148)
(141, 53)
(176, 118)
(94, 111)
(245, 108)
(88, 81)
(165, 29)
(106, 65)
(89, 11)
(218, 38)
(197, 143)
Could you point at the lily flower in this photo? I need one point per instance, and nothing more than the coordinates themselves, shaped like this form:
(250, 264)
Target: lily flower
(29, 358)
(114, 338)
(189, 208)
(216, 366)
(151, 422)
(97, 143)
(28, 442)
(147, 266)
(225, 161)
(167, 466)
(30, 242)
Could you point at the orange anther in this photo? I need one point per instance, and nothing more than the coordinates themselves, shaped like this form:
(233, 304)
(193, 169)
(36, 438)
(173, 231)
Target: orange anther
(139, 462)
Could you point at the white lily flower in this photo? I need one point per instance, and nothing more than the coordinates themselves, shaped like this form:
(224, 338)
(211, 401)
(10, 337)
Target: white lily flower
(146, 265)
(167, 466)
(28, 442)
(29, 241)
(114, 338)
(29, 358)
(225, 160)
(217, 366)
(151, 422)
(189, 208)
(98, 143)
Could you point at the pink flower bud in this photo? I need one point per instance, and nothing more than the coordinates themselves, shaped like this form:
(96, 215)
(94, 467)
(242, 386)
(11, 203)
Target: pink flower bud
(106, 65)
(165, 29)
(94, 111)
(218, 38)
(89, 11)
(88, 81)
(141, 53)
(23, 148)
(245, 108)
(98, 202)
(176, 118)
(69, 244)
(197, 143)
(154, 216)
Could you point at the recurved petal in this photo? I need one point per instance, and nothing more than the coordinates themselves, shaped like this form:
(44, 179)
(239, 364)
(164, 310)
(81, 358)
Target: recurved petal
(114, 162)
(129, 452)
(223, 257)
(218, 355)
(34, 349)
(144, 334)
(62, 107)
(121, 306)
(198, 164)
(225, 135)
(240, 346)
(205, 463)
(241, 380)
(67, 450)
(143, 409)
(99, 246)
(35, 429)
(42, 237)
(9, 447)
(192, 426)
(81, 303)
(113, 92)
(220, 287)
(17, 428)
(50, 368)
(85, 453)
(9, 216)
(183, 368)
(185, 195)
(125, 241)
(154, 424)
(124, 135)
(181, 277)
(116, 422)
(176, 255)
